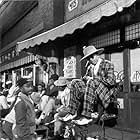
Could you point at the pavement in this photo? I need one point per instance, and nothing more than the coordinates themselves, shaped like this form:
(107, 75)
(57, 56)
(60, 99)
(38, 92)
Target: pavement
(112, 133)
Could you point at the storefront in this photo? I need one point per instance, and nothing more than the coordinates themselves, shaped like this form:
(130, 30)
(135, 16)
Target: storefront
(13, 66)
(106, 24)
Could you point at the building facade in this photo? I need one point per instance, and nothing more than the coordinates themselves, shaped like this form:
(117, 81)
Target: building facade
(112, 25)
(20, 20)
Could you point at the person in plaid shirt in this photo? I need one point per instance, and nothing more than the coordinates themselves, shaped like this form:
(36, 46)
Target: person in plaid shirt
(100, 81)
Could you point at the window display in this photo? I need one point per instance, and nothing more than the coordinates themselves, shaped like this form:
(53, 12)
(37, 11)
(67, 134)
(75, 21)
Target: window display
(117, 60)
(135, 69)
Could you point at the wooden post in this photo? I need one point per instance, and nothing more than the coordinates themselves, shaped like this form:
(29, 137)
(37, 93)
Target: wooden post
(126, 84)
(0, 126)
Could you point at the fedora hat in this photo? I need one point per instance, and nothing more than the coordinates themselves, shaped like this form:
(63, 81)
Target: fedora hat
(87, 51)
(62, 81)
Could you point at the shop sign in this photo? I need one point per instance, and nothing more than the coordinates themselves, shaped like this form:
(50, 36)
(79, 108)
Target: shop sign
(135, 77)
(72, 5)
(73, 8)
(70, 67)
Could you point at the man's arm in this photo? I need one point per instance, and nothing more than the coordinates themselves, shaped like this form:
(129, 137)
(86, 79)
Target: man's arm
(4, 102)
(109, 78)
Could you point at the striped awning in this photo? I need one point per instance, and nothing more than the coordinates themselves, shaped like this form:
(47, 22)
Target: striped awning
(19, 62)
(108, 8)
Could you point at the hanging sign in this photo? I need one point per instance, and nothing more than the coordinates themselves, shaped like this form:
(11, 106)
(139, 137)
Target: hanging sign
(70, 67)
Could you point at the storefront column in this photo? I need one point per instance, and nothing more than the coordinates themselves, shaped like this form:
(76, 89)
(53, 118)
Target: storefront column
(0, 36)
(127, 70)
(126, 84)
(13, 77)
(34, 74)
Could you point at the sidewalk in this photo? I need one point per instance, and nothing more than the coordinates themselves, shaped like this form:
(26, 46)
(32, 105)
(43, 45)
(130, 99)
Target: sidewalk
(112, 133)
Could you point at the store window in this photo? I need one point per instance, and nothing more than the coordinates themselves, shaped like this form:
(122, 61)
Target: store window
(135, 69)
(27, 72)
(117, 60)
(18, 73)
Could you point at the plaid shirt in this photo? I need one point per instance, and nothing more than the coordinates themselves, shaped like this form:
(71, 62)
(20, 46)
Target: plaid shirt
(101, 86)
(77, 91)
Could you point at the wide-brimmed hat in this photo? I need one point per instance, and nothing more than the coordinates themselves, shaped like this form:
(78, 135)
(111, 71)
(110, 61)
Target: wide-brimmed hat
(35, 97)
(62, 81)
(87, 51)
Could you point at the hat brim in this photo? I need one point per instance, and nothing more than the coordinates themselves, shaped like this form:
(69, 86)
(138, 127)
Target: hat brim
(98, 52)
(8, 82)
(59, 84)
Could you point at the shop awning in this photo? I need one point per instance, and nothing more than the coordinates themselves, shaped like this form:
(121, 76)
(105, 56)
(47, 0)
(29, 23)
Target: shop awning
(19, 62)
(108, 8)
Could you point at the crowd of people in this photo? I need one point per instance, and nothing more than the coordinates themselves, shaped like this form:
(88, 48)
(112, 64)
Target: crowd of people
(30, 107)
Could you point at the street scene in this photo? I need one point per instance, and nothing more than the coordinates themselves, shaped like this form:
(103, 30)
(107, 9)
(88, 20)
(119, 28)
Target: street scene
(69, 69)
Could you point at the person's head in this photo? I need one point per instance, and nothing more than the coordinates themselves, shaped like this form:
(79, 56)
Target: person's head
(61, 83)
(25, 86)
(35, 97)
(91, 54)
(93, 59)
(40, 86)
(53, 78)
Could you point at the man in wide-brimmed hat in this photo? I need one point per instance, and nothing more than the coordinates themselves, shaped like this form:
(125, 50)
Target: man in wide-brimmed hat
(100, 81)
(63, 98)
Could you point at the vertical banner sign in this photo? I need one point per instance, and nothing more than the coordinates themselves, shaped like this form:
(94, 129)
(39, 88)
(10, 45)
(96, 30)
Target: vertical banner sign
(70, 67)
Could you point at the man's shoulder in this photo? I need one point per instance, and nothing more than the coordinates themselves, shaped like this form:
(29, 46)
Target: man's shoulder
(20, 102)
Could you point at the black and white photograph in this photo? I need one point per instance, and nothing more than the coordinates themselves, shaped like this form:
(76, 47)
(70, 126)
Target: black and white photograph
(69, 69)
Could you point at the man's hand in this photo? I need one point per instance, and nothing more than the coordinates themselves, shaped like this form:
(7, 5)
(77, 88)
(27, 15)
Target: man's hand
(37, 121)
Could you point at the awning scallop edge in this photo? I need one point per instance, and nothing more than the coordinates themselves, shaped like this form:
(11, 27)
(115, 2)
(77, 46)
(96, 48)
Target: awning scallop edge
(108, 8)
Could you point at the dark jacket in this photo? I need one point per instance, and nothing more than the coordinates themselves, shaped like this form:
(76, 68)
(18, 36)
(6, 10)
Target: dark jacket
(25, 117)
